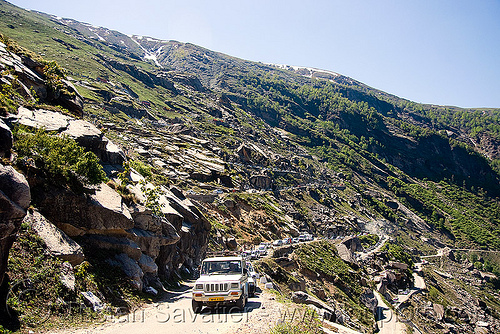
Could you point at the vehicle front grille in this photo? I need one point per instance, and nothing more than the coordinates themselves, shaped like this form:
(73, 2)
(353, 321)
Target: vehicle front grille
(216, 287)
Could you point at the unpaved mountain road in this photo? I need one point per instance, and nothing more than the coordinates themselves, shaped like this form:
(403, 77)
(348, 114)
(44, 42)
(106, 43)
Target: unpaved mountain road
(387, 320)
(174, 315)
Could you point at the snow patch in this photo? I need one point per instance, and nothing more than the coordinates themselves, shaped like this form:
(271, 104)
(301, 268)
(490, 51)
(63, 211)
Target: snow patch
(309, 72)
(148, 54)
(152, 57)
(100, 38)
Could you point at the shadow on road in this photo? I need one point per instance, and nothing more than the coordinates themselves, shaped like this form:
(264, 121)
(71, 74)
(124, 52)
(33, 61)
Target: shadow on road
(183, 292)
(380, 313)
(177, 294)
(231, 309)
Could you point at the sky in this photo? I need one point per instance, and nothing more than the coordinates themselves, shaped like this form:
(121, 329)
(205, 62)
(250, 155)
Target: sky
(444, 52)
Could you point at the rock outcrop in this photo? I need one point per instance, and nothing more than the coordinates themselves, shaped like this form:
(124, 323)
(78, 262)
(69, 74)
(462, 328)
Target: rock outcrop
(369, 300)
(148, 244)
(250, 153)
(15, 197)
(29, 73)
(261, 182)
(102, 212)
(345, 254)
(193, 230)
(84, 133)
(325, 311)
(58, 242)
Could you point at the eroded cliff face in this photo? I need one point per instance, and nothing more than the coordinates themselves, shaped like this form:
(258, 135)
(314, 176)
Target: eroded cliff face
(156, 246)
(148, 245)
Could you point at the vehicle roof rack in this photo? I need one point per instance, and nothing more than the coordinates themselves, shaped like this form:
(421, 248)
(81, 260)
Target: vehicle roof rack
(223, 253)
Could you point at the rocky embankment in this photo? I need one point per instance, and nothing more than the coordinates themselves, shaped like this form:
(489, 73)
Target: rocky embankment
(148, 246)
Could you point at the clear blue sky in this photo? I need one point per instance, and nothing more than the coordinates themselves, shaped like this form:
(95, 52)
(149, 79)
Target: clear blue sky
(431, 51)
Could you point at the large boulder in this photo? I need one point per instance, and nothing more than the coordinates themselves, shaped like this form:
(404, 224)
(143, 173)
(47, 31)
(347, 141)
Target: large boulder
(84, 133)
(112, 154)
(261, 181)
(439, 310)
(231, 243)
(58, 242)
(250, 153)
(130, 267)
(327, 311)
(92, 139)
(369, 299)
(49, 120)
(345, 254)
(100, 213)
(15, 198)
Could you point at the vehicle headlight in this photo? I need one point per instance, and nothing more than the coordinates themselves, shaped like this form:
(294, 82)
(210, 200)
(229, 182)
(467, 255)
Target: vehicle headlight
(198, 287)
(235, 285)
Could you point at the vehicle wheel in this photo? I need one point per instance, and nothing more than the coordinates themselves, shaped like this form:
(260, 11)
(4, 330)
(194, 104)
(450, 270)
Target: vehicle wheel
(197, 306)
(240, 303)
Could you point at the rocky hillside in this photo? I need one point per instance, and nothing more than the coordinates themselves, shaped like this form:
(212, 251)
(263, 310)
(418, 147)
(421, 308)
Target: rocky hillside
(142, 154)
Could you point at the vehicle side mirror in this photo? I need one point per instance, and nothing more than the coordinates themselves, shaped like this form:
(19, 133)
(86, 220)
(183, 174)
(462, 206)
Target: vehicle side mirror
(245, 271)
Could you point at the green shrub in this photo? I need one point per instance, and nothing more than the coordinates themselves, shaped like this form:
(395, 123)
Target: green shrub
(59, 156)
(9, 99)
(368, 240)
(54, 76)
(309, 324)
(34, 278)
(398, 253)
(141, 168)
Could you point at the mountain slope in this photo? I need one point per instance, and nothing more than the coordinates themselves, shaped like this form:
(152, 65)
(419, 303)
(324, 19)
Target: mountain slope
(262, 151)
(291, 120)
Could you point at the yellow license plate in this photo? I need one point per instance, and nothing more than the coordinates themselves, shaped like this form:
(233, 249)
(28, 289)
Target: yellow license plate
(216, 299)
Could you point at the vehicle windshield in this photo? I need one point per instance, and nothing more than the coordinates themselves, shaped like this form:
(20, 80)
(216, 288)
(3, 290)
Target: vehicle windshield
(221, 268)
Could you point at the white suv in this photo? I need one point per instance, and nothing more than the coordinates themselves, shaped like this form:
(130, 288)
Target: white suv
(223, 280)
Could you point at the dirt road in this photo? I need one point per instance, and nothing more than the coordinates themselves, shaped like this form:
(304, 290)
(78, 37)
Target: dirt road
(387, 319)
(174, 315)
